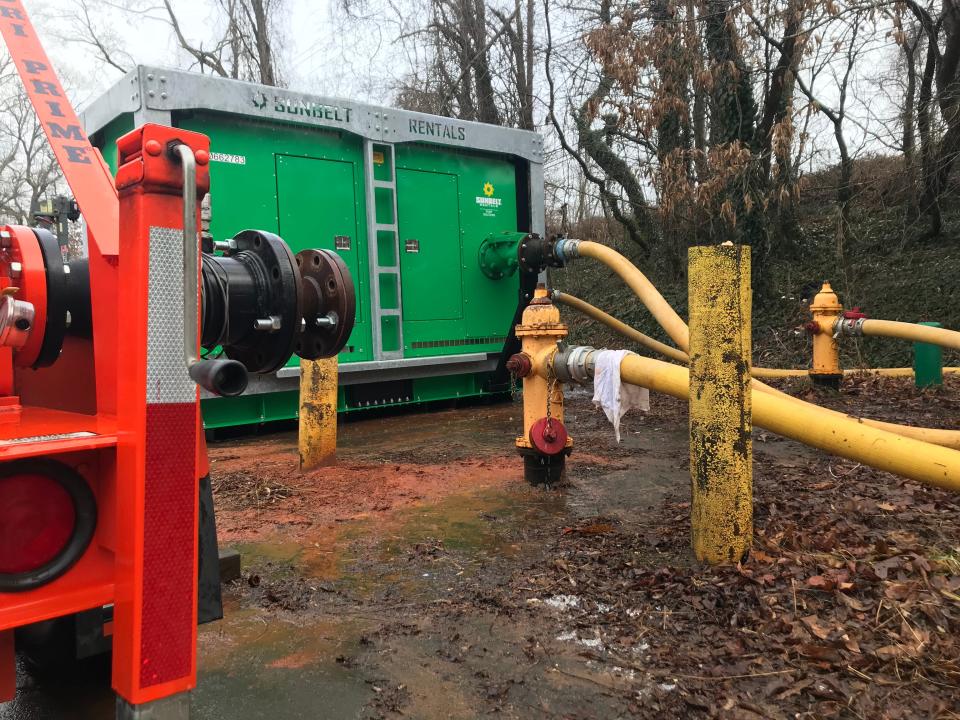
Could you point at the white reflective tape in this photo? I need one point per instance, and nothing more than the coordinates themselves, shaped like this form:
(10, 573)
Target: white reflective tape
(167, 378)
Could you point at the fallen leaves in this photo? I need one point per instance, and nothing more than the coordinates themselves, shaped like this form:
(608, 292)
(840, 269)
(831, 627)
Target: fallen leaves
(849, 605)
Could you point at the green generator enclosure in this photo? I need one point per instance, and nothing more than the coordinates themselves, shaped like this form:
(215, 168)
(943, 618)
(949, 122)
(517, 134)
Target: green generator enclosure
(406, 199)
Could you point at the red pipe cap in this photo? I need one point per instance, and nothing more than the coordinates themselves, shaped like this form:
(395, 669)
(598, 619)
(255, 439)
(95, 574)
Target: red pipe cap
(548, 436)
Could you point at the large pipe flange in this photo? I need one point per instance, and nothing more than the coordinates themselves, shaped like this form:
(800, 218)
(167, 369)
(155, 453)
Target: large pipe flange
(253, 301)
(329, 304)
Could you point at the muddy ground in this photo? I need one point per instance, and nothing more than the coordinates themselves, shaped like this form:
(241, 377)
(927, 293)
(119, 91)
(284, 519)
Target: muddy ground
(422, 578)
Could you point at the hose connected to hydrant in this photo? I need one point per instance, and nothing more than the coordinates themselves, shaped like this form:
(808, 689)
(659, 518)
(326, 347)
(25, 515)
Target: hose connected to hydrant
(901, 330)
(823, 429)
(827, 314)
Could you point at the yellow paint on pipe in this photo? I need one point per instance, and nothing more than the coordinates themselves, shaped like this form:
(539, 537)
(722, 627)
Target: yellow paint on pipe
(318, 413)
(619, 326)
(911, 331)
(763, 372)
(817, 427)
(937, 436)
(672, 323)
(721, 448)
(944, 438)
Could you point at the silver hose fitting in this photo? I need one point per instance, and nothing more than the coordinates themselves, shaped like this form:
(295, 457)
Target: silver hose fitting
(848, 326)
(566, 250)
(574, 364)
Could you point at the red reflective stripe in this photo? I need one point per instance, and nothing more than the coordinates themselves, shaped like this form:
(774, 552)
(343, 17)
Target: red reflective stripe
(169, 544)
(84, 170)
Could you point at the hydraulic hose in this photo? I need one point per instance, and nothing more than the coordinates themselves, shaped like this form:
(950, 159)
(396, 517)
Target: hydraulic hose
(809, 424)
(911, 331)
(619, 326)
(672, 323)
(937, 436)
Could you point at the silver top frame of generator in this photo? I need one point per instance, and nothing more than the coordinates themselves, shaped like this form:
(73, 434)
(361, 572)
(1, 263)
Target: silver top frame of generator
(151, 94)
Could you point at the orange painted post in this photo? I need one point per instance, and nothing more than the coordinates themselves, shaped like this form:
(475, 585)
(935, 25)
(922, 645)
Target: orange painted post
(155, 629)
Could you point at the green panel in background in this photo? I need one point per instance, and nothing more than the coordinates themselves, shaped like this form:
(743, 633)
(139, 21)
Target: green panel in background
(430, 260)
(486, 189)
(317, 208)
(307, 185)
(927, 362)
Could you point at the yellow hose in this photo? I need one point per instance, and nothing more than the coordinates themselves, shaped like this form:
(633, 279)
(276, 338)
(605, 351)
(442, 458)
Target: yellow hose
(937, 436)
(628, 331)
(619, 326)
(672, 323)
(762, 372)
(819, 428)
(912, 331)
(894, 372)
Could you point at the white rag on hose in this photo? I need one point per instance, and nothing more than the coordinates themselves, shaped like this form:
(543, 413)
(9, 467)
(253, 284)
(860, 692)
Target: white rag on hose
(614, 396)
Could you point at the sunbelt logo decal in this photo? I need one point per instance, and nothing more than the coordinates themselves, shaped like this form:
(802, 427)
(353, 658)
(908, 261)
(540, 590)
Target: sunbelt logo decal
(288, 104)
(488, 200)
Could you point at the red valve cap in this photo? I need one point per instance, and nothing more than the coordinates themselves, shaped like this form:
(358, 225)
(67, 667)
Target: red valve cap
(548, 436)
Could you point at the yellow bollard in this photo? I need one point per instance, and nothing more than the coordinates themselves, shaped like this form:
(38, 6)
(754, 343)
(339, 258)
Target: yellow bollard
(318, 413)
(721, 449)
(826, 310)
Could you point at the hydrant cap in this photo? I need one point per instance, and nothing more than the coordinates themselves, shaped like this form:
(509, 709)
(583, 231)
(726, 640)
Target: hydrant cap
(541, 296)
(826, 300)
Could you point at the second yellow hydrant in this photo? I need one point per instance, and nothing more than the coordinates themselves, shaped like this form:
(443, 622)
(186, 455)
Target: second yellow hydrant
(544, 444)
(826, 310)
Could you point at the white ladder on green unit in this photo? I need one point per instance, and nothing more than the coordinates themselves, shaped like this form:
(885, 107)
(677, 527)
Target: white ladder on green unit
(383, 242)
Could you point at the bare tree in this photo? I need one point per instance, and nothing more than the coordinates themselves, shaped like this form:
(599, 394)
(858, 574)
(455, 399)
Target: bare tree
(481, 62)
(28, 169)
(243, 44)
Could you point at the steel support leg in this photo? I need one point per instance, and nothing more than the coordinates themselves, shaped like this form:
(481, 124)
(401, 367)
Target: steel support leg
(318, 413)
(174, 707)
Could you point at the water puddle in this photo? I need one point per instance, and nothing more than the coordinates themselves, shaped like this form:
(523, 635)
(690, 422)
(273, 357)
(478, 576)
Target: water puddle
(255, 665)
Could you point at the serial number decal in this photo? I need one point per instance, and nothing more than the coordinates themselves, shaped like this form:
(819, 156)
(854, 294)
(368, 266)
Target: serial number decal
(228, 158)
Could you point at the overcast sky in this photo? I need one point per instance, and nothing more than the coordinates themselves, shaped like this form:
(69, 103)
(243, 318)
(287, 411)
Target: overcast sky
(317, 56)
(325, 53)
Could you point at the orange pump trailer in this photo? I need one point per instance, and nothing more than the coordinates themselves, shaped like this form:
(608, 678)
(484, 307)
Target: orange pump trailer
(141, 425)
(101, 450)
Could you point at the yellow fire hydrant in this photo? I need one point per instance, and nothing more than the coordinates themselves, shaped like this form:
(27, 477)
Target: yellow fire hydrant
(826, 310)
(544, 444)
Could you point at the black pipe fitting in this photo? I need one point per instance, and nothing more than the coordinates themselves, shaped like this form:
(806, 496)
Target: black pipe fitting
(221, 376)
(536, 254)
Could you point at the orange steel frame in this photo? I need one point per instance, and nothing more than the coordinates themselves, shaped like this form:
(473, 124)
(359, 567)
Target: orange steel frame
(120, 443)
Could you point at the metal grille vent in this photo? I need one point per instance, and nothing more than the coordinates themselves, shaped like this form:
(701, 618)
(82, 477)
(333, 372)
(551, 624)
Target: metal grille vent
(459, 342)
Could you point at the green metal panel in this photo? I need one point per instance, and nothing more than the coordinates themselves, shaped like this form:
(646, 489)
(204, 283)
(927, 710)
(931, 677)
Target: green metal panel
(927, 362)
(307, 184)
(109, 136)
(486, 204)
(317, 204)
(430, 258)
